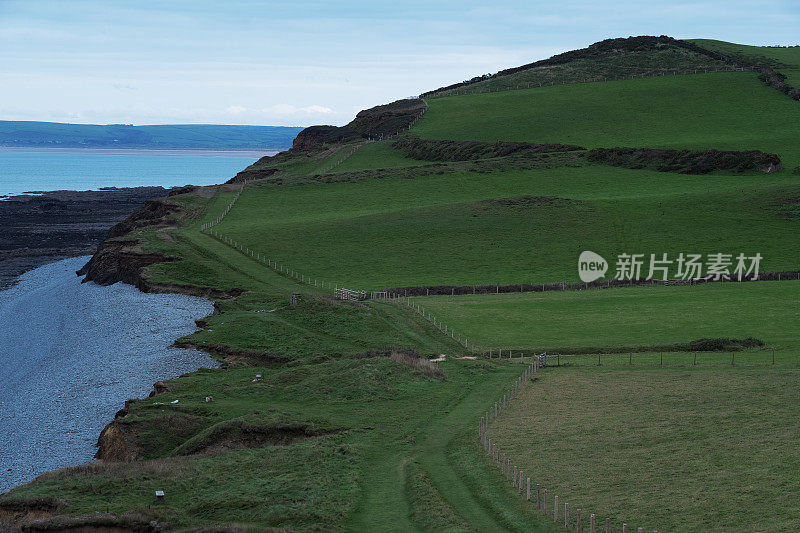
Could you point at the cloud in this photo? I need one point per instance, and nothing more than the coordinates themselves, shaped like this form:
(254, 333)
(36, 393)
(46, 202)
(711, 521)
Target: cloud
(288, 109)
(317, 109)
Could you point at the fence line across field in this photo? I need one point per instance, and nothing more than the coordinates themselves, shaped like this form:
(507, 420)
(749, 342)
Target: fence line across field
(339, 292)
(536, 494)
(394, 295)
(531, 492)
(458, 91)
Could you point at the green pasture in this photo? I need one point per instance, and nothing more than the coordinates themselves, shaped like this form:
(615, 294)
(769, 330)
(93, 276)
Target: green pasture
(631, 317)
(726, 110)
(667, 449)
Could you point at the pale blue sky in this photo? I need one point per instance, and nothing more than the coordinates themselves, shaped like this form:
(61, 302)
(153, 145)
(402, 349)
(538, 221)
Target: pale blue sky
(302, 63)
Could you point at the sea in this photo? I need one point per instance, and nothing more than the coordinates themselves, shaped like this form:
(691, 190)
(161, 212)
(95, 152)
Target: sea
(71, 353)
(79, 169)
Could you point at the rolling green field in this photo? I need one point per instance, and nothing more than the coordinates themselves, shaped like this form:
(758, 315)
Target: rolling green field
(628, 317)
(726, 110)
(504, 227)
(328, 415)
(667, 449)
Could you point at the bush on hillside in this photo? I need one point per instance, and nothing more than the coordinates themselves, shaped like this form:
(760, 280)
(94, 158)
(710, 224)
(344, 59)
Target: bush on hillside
(722, 344)
(686, 161)
(442, 150)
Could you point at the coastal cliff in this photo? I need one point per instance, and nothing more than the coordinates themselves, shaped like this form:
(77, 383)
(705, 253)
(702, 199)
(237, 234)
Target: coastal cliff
(121, 257)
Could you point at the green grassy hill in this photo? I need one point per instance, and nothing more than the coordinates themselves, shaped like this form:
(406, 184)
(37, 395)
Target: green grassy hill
(333, 415)
(733, 111)
(509, 226)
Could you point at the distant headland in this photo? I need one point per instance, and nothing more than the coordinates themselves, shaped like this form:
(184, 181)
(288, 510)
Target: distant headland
(168, 136)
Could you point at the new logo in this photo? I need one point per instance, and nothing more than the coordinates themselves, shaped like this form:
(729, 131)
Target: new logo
(591, 266)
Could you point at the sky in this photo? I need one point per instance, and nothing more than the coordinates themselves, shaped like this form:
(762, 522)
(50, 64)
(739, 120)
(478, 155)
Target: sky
(301, 63)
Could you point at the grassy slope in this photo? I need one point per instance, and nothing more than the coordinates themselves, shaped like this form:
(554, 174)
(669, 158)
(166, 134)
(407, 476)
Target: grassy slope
(648, 63)
(671, 449)
(384, 417)
(723, 110)
(443, 229)
(637, 316)
(376, 155)
(406, 458)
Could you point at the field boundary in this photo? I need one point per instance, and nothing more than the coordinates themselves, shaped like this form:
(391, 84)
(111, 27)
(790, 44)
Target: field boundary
(465, 290)
(534, 85)
(327, 168)
(338, 291)
(533, 492)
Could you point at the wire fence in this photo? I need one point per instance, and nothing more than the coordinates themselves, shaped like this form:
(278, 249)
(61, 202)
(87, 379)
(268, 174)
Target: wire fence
(347, 153)
(524, 485)
(495, 288)
(591, 79)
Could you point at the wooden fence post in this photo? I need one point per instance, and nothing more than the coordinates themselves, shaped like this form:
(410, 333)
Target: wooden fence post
(555, 508)
(528, 489)
(591, 523)
(544, 501)
(566, 515)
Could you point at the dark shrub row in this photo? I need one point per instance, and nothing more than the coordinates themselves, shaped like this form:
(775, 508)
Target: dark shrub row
(699, 345)
(452, 290)
(686, 161)
(723, 344)
(778, 80)
(439, 150)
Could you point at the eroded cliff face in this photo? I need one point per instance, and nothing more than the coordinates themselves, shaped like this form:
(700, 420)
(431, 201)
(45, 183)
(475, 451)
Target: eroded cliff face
(118, 442)
(379, 121)
(121, 257)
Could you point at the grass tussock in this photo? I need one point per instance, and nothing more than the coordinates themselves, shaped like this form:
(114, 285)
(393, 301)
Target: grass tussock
(247, 432)
(419, 365)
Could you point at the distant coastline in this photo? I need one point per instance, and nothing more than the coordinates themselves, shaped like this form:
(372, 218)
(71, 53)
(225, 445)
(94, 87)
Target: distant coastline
(210, 152)
(20, 134)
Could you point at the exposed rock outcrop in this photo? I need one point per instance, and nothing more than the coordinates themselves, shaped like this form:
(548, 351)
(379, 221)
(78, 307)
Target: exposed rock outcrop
(379, 121)
(118, 442)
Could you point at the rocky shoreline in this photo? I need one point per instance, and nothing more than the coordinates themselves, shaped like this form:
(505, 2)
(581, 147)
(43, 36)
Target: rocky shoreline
(40, 228)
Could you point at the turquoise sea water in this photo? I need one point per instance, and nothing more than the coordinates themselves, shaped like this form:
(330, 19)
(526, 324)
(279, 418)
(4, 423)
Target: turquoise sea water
(47, 169)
